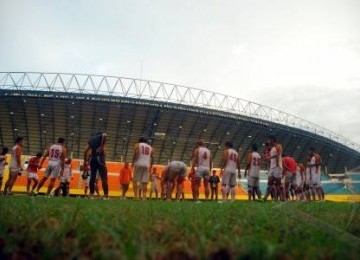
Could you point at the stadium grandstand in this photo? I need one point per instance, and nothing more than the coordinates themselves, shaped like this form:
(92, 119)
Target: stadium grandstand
(44, 106)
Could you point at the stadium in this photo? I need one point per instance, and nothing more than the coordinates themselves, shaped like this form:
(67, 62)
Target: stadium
(44, 106)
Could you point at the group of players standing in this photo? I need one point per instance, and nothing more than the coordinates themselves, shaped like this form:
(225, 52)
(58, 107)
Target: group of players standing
(285, 176)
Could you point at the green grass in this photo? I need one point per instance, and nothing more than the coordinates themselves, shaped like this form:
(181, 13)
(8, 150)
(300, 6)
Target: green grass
(57, 228)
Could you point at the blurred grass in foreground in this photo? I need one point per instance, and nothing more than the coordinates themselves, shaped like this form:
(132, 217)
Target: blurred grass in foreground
(58, 228)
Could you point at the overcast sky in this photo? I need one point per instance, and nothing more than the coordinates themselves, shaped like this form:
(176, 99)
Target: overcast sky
(302, 57)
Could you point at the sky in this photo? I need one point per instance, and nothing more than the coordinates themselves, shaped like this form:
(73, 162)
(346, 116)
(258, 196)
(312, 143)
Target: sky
(301, 57)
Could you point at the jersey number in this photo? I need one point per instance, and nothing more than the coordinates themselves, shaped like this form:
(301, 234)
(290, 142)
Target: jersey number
(233, 157)
(145, 150)
(205, 156)
(54, 153)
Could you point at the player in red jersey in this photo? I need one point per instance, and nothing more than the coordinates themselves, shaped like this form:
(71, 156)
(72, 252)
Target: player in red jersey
(289, 173)
(33, 172)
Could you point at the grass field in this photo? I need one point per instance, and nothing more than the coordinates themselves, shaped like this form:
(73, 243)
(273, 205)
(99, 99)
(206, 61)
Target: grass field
(58, 228)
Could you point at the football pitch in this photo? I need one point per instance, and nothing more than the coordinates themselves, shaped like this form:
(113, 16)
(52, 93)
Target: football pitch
(58, 228)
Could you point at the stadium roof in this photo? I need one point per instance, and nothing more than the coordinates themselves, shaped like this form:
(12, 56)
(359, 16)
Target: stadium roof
(44, 106)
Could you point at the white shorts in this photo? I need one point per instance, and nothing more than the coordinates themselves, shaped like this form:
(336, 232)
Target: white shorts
(316, 179)
(33, 175)
(141, 174)
(65, 178)
(87, 181)
(202, 172)
(275, 172)
(52, 171)
(154, 186)
(14, 171)
(229, 178)
(299, 181)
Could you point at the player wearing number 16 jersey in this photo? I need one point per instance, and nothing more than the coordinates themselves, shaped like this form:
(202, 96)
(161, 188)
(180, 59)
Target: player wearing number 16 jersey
(202, 162)
(56, 153)
(143, 161)
(229, 166)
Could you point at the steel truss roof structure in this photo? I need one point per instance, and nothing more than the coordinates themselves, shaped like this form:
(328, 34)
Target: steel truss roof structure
(44, 105)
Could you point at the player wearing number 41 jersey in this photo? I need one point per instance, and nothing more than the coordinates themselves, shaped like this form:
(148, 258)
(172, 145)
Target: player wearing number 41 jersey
(56, 153)
(229, 166)
(143, 161)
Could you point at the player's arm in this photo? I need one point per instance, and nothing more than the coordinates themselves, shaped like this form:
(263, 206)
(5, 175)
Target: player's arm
(318, 162)
(44, 158)
(136, 154)
(278, 153)
(248, 164)
(18, 157)
(152, 158)
(238, 166)
(63, 156)
(195, 159)
(86, 152)
(224, 160)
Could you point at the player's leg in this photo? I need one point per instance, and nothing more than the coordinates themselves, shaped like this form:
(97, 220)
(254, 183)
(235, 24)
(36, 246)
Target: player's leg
(63, 189)
(151, 189)
(212, 193)
(35, 181)
(104, 179)
(1, 181)
(287, 186)
(28, 184)
(216, 193)
(169, 179)
(86, 187)
(44, 179)
(51, 185)
(197, 187)
(12, 179)
(233, 186)
(179, 189)
(206, 185)
(269, 185)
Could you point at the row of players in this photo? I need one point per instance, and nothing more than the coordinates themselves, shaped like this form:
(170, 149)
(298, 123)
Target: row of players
(284, 173)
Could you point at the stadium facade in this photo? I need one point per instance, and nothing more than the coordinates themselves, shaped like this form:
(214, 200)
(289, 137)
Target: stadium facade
(44, 106)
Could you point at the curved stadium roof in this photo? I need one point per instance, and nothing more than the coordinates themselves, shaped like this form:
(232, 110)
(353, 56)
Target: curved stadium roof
(44, 106)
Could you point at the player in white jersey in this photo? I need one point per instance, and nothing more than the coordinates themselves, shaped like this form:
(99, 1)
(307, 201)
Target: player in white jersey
(229, 166)
(275, 169)
(175, 173)
(154, 179)
(143, 160)
(15, 164)
(56, 153)
(202, 161)
(315, 173)
(65, 178)
(4, 151)
(299, 179)
(252, 172)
